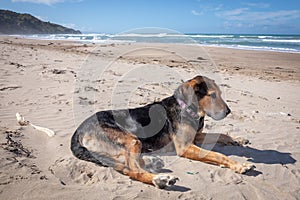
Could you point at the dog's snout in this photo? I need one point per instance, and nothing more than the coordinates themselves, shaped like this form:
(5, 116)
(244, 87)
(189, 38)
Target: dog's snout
(228, 111)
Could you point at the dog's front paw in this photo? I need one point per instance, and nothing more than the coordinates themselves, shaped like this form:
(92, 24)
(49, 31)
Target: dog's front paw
(243, 168)
(161, 181)
(240, 141)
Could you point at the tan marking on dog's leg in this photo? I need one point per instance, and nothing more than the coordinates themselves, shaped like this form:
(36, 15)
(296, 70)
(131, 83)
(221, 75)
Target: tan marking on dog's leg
(135, 147)
(131, 150)
(159, 181)
(135, 171)
(195, 153)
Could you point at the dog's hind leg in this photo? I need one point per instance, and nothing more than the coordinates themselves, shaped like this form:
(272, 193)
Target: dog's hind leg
(120, 150)
(133, 146)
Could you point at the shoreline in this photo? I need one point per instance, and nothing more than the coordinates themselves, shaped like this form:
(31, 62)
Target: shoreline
(256, 42)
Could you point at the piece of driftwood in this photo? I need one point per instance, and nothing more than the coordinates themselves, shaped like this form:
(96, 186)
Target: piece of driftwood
(23, 122)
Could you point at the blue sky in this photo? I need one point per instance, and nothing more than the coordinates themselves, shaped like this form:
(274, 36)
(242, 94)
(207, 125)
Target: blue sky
(186, 16)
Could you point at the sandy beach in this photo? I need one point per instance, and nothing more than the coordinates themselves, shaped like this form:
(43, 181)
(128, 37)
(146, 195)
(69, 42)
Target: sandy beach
(57, 84)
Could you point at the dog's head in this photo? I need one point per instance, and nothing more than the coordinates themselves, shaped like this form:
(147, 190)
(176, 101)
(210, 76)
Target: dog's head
(204, 95)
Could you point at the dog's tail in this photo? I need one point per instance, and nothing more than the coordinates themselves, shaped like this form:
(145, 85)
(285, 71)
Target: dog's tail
(80, 151)
(83, 153)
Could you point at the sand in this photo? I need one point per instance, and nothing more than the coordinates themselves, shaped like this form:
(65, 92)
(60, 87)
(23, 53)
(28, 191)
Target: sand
(57, 84)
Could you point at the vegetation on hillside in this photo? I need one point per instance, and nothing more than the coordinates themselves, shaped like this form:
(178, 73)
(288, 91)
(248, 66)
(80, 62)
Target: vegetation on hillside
(16, 23)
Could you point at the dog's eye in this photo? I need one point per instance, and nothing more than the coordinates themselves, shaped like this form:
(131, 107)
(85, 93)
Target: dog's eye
(213, 95)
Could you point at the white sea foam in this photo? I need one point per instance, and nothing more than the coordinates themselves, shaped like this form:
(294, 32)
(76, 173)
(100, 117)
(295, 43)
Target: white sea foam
(282, 41)
(85, 38)
(211, 36)
(146, 35)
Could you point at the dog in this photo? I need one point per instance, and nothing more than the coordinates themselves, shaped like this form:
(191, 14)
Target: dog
(119, 138)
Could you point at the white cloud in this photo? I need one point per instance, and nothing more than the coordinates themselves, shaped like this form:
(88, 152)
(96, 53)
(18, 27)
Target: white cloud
(267, 18)
(213, 7)
(218, 7)
(47, 2)
(280, 16)
(260, 21)
(234, 14)
(230, 25)
(257, 5)
(194, 12)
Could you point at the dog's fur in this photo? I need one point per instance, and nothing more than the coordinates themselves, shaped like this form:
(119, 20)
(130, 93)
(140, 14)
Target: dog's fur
(117, 138)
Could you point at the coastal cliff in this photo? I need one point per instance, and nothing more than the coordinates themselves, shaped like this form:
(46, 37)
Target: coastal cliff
(16, 23)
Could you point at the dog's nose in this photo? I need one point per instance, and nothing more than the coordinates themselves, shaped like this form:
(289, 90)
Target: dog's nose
(228, 111)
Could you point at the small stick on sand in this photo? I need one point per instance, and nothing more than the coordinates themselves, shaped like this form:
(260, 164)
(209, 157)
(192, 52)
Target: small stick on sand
(23, 122)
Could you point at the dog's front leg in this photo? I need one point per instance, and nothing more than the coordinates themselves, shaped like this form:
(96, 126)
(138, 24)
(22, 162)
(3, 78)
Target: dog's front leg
(195, 153)
(184, 145)
(212, 138)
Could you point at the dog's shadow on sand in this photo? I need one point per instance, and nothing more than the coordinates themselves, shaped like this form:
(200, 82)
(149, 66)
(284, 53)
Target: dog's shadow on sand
(256, 156)
(178, 188)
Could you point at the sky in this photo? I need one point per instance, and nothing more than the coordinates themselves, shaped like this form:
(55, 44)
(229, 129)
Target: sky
(185, 16)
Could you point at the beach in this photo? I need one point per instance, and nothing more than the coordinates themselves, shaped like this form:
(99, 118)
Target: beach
(57, 84)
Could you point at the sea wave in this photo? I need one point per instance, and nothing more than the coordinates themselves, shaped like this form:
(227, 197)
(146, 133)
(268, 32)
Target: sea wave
(173, 35)
(85, 38)
(257, 48)
(280, 43)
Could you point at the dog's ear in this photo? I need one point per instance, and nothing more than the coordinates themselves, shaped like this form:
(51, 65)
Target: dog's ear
(185, 92)
(201, 89)
(199, 85)
(192, 90)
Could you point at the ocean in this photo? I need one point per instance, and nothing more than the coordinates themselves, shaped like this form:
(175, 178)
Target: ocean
(279, 43)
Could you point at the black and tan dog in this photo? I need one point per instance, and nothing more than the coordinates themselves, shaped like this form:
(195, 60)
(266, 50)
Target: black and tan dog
(118, 138)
